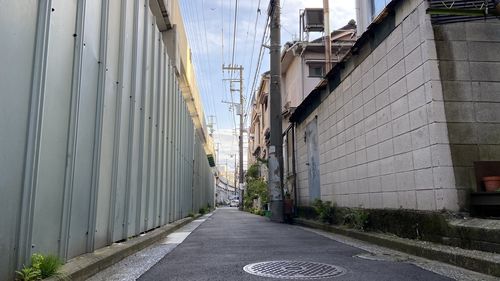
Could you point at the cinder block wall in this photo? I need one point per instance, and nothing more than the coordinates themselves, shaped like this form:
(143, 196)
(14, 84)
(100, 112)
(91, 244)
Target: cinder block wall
(382, 132)
(468, 60)
(301, 162)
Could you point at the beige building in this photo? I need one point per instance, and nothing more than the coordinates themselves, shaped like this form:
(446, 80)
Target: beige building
(302, 69)
(170, 23)
(302, 66)
(410, 119)
(259, 122)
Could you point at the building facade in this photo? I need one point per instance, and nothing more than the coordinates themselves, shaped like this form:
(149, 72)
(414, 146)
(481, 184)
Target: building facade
(408, 118)
(302, 70)
(224, 192)
(259, 122)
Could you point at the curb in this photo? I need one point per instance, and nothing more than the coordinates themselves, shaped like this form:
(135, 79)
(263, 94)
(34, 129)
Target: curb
(483, 262)
(86, 265)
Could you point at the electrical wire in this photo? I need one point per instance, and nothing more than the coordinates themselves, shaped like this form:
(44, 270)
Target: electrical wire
(259, 64)
(234, 31)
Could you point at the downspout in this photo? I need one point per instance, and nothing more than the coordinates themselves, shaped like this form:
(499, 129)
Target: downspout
(302, 71)
(291, 129)
(294, 172)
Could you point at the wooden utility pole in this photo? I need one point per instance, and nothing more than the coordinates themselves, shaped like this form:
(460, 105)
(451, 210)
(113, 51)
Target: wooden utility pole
(275, 159)
(328, 38)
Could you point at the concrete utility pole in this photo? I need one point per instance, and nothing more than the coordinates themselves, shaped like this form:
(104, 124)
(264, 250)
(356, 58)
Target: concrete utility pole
(328, 38)
(240, 112)
(275, 186)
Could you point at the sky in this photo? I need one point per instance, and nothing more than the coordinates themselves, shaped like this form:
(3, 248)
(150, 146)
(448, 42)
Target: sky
(210, 28)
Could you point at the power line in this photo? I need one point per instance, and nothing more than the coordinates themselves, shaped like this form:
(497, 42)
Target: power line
(259, 63)
(253, 45)
(234, 31)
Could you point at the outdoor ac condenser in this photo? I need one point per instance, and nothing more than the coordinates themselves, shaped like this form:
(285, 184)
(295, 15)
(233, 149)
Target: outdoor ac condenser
(314, 20)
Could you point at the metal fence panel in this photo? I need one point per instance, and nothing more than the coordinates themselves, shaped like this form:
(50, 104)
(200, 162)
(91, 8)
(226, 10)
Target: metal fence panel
(54, 135)
(109, 146)
(18, 77)
(120, 186)
(111, 26)
(84, 135)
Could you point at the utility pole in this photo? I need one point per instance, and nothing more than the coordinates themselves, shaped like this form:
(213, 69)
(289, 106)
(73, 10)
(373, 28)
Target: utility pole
(240, 112)
(275, 186)
(328, 38)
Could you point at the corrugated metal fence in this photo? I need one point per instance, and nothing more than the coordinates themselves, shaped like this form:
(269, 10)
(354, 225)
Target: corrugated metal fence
(96, 142)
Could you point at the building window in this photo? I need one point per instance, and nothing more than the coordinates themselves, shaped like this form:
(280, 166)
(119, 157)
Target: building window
(378, 6)
(316, 70)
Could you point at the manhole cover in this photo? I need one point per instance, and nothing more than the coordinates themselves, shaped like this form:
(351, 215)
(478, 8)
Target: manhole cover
(294, 269)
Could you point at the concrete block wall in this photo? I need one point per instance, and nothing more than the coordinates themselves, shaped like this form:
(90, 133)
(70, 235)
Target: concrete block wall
(382, 131)
(468, 59)
(302, 168)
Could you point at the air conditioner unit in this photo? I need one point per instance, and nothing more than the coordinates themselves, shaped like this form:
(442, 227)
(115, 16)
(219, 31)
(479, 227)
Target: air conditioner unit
(314, 20)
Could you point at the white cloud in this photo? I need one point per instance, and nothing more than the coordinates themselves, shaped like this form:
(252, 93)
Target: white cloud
(341, 11)
(228, 147)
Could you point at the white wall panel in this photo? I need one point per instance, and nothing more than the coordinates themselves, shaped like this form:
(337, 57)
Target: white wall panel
(97, 144)
(17, 80)
(54, 128)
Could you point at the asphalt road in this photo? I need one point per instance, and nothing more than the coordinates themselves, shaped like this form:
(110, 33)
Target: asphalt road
(229, 239)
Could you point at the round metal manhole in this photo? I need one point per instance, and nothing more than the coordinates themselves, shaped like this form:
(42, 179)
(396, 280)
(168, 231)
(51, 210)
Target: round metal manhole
(294, 269)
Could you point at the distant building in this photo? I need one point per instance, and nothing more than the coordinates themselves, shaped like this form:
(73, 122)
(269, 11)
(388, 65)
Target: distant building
(224, 191)
(259, 122)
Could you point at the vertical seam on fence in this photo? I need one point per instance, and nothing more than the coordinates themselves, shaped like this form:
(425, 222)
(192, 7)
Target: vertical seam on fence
(73, 131)
(30, 173)
(98, 128)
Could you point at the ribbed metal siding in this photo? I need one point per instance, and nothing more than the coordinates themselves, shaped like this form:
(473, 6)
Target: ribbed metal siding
(97, 144)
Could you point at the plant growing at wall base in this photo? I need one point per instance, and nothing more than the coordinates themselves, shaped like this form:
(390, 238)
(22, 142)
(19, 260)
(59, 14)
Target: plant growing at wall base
(326, 211)
(28, 273)
(49, 266)
(356, 218)
(41, 267)
(256, 188)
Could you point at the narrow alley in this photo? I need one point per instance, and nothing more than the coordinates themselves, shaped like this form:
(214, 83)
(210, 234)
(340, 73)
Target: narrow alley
(249, 140)
(218, 246)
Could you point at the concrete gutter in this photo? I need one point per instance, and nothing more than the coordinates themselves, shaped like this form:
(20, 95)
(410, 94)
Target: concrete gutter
(484, 262)
(86, 265)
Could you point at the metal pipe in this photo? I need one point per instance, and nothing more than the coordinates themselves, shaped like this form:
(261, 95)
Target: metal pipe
(328, 40)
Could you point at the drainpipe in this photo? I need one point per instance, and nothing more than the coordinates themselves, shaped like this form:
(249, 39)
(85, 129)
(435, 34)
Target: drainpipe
(294, 172)
(302, 61)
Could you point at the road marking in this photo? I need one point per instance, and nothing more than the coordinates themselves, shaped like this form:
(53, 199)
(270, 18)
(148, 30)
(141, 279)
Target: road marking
(175, 238)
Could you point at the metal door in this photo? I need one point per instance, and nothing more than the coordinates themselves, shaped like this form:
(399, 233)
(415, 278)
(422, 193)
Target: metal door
(313, 159)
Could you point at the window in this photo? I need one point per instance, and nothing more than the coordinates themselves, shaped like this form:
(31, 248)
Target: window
(378, 6)
(316, 70)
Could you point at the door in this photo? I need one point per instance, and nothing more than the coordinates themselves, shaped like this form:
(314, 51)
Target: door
(313, 159)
